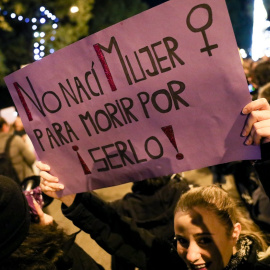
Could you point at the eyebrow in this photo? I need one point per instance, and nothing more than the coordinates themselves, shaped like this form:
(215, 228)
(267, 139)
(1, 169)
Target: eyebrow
(204, 234)
(197, 234)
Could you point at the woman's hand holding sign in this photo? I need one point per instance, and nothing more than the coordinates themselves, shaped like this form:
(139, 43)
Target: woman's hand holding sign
(50, 186)
(257, 128)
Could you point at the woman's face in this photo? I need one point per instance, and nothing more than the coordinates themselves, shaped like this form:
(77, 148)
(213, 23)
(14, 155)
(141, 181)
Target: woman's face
(18, 123)
(202, 240)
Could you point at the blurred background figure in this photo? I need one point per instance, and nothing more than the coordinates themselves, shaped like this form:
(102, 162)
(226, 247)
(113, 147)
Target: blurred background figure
(265, 92)
(18, 129)
(21, 157)
(261, 73)
(248, 66)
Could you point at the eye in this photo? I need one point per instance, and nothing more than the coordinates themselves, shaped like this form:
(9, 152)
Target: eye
(204, 240)
(181, 240)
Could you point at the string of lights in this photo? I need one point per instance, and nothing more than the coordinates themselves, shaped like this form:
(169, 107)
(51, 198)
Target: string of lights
(260, 36)
(45, 16)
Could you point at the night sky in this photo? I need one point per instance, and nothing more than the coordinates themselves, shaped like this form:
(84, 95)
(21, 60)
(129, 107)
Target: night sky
(241, 17)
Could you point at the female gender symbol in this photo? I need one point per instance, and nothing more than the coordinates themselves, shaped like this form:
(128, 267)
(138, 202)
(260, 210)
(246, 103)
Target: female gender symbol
(208, 47)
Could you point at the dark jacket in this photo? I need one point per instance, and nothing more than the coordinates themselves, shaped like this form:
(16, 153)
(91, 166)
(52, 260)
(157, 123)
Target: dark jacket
(76, 258)
(113, 233)
(263, 168)
(150, 208)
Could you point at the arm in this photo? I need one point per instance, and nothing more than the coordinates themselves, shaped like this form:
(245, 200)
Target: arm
(120, 236)
(257, 131)
(115, 234)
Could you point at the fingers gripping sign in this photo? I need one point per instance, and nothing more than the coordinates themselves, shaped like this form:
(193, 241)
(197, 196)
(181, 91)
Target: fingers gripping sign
(257, 127)
(256, 105)
(48, 183)
(50, 186)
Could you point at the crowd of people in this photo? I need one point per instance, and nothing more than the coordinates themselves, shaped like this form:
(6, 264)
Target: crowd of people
(258, 77)
(164, 223)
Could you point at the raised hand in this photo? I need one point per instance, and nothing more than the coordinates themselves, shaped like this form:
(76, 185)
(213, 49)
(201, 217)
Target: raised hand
(50, 184)
(257, 127)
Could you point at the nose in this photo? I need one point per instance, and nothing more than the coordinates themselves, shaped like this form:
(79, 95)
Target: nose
(193, 252)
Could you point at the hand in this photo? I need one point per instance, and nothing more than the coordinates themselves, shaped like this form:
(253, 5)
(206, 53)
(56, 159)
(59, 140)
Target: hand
(257, 127)
(44, 219)
(49, 184)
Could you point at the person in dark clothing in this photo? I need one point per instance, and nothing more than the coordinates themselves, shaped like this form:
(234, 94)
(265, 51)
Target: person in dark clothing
(151, 206)
(151, 203)
(29, 246)
(218, 246)
(119, 235)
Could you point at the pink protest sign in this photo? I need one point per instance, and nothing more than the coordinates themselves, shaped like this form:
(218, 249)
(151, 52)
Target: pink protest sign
(156, 94)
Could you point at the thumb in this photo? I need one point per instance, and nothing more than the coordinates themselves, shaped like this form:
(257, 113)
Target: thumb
(38, 209)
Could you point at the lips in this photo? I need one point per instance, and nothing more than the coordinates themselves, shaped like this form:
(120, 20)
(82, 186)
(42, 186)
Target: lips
(200, 266)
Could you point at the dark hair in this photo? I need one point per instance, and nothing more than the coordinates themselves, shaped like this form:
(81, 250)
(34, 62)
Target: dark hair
(41, 250)
(261, 73)
(264, 92)
(151, 185)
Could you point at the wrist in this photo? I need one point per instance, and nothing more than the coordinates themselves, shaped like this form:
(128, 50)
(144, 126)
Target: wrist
(68, 200)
